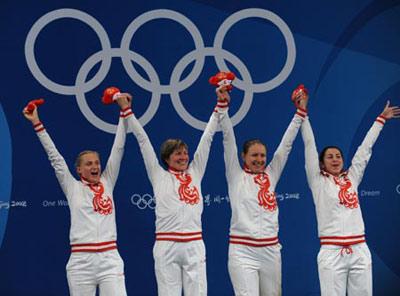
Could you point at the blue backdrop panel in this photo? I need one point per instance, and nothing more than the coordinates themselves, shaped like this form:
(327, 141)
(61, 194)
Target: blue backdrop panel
(347, 53)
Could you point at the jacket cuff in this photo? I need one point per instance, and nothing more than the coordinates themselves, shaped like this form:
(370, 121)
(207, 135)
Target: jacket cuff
(124, 113)
(38, 127)
(381, 119)
(222, 106)
(301, 112)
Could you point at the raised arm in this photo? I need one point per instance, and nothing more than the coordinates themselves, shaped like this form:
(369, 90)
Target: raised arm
(281, 154)
(310, 151)
(232, 164)
(153, 168)
(117, 151)
(310, 148)
(63, 174)
(364, 151)
(200, 157)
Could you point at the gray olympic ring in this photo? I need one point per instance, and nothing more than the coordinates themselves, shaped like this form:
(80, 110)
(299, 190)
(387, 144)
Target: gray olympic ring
(180, 67)
(289, 40)
(143, 201)
(80, 96)
(398, 189)
(34, 67)
(153, 85)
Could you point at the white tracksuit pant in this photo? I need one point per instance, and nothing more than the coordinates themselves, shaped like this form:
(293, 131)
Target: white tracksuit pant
(180, 264)
(86, 271)
(341, 267)
(255, 271)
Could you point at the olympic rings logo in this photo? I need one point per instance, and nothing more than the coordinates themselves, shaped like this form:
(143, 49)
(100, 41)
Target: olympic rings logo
(143, 201)
(153, 85)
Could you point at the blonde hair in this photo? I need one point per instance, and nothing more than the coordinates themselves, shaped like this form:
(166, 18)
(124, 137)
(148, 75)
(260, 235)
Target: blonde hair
(80, 155)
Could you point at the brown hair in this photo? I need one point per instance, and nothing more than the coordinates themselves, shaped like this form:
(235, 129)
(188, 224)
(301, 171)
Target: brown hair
(168, 147)
(249, 143)
(78, 159)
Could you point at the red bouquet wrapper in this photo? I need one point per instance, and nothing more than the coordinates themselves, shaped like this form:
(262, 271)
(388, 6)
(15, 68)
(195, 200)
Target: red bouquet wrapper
(223, 78)
(110, 95)
(296, 93)
(34, 103)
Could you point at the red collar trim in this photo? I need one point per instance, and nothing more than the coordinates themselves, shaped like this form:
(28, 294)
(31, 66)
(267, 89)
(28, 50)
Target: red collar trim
(247, 170)
(86, 181)
(174, 171)
(326, 174)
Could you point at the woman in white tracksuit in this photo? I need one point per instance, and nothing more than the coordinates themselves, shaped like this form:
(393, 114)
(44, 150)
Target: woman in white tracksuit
(344, 260)
(94, 261)
(254, 250)
(179, 252)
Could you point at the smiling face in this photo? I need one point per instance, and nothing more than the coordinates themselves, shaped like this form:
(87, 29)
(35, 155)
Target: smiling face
(332, 161)
(255, 158)
(178, 159)
(88, 167)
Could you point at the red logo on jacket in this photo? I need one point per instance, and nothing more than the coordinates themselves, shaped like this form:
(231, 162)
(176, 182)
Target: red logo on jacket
(266, 199)
(101, 204)
(346, 198)
(188, 194)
